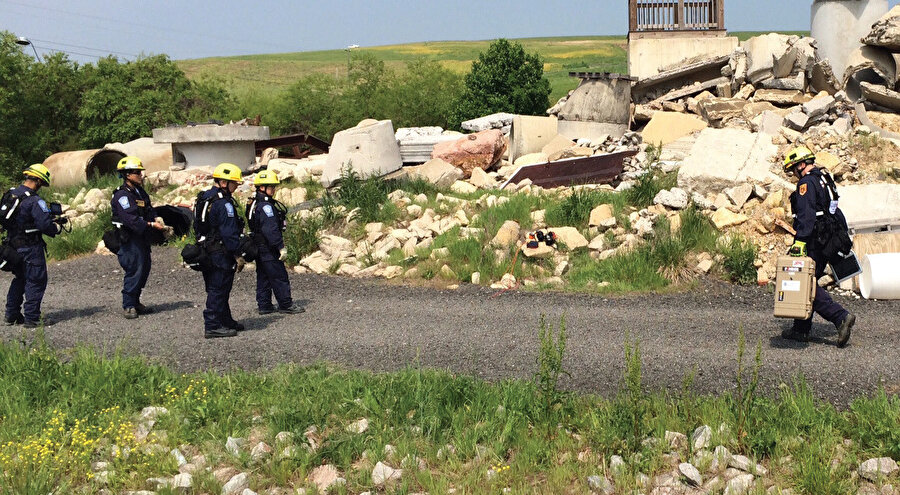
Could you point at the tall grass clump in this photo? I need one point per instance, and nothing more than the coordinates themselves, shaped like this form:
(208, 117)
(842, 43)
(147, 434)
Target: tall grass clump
(518, 208)
(647, 186)
(550, 365)
(79, 240)
(302, 237)
(739, 254)
(575, 209)
(369, 195)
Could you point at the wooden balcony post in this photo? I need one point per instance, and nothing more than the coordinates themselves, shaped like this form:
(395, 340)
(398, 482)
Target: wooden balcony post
(720, 14)
(679, 15)
(632, 15)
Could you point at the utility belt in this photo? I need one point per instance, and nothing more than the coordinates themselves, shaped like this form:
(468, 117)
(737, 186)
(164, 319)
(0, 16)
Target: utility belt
(27, 239)
(10, 259)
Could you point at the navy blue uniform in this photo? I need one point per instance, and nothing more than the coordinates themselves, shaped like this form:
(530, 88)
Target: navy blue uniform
(811, 200)
(267, 224)
(33, 220)
(223, 245)
(131, 210)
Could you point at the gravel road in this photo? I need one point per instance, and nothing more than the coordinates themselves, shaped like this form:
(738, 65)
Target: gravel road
(379, 325)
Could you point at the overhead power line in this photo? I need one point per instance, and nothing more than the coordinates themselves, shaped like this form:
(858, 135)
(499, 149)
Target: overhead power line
(146, 26)
(102, 50)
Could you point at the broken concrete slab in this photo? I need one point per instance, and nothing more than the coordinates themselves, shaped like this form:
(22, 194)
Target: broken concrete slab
(576, 152)
(685, 75)
(493, 121)
(417, 143)
(666, 127)
(781, 96)
(531, 159)
(529, 134)
(369, 150)
(881, 95)
(755, 108)
(871, 206)
(818, 106)
(886, 31)
(482, 150)
(796, 82)
(762, 51)
(868, 64)
(822, 78)
(785, 64)
(594, 131)
(796, 121)
(750, 157)
(692, 89)
(718, 109)
(768, 122)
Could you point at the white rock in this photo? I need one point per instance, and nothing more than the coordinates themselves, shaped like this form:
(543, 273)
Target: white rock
(600, 484)
(570, 236)
(182, 482)
(234, 444)
(873, 469)
(745, 464)
(739, 485)
(260, 451)
(237, 484)
(675, 198)
(359, 426)
(691, 473)
(676, 440)
(382, 473)
(476, 278)
(461, 187)
(324, 477)
(701, 436)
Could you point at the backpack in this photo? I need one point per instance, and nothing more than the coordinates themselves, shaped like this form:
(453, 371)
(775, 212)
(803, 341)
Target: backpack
(830, 231)
(9, 209)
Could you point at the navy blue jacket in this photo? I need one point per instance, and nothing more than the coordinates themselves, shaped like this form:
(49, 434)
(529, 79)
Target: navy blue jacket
(32, 219)
(131, 207)
(266, 225)
(224, 221)
(811, 197)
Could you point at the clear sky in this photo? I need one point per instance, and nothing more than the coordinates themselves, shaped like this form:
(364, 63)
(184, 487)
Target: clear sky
(192, 29)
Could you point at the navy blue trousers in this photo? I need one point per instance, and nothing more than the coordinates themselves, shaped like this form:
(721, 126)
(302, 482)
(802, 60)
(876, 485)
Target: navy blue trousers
(29, 284)
(134, 257)
(218, 282)
(272, 277)
(823, 304)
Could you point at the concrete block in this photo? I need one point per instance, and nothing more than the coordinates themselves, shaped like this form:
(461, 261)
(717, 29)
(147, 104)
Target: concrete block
(881, 95)
(818, 106)
(557, 144)
(886, 31)
(871, 205)
(437, 172)
(781, 97)
(868, 63)
(575, 130)
(838, 26)
(762, 52)
(370, 150)
(769, 123)
(822, 78)
(717, 109)
(666, 127)
(749, 158)
(796, 82)
(530, 134)
(796, 121)
(606, 101)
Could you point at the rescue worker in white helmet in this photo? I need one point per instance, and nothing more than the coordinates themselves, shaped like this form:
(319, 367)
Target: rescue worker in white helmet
(267, 219)
(133, 217)
(27, 218)
(219, 229)
(814, 204)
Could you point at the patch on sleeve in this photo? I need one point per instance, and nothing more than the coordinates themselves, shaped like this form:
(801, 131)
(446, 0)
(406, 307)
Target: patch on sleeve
(267, 209)
(802, 189)
(124, 203)
(229, 209)
(43, 205)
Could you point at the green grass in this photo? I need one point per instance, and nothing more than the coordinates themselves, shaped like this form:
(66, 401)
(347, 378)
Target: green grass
(62, 410)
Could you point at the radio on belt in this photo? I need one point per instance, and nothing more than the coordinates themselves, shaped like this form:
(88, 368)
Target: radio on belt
(795, 287)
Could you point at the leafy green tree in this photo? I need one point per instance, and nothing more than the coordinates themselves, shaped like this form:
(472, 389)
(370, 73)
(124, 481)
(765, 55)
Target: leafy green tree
(504, 79)
(313, 105)
(38, 106)
(127, 100)
(425, 94)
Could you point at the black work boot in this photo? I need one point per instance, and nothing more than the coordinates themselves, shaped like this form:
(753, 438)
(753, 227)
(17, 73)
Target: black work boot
(266, 311)
(219, 333)
(142, 310)
(293, 309)
(130, 313)
(844, 329)
(794, 334)
(236, 326)
(14, 320)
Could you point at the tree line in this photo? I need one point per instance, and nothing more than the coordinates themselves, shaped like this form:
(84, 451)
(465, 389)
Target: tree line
(59, 105)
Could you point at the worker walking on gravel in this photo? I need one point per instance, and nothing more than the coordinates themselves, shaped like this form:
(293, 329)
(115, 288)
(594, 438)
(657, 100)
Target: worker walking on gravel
(218, 228)
(27, 218)
(267, 219)
(133, 217)
(819, 224)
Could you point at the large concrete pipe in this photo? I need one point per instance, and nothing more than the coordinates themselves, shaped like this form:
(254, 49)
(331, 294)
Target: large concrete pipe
(880, 277)
(70, 168)
(838, 26)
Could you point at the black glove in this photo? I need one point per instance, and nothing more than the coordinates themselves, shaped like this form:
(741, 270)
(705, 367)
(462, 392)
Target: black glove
(61, 220)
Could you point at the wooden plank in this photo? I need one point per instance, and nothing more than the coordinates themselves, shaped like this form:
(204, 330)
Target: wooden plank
(632, 15)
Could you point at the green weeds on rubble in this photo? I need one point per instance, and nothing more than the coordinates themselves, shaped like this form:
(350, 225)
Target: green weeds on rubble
(64, 410)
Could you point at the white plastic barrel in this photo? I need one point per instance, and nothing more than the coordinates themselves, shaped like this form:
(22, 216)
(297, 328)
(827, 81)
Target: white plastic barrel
(880, 277)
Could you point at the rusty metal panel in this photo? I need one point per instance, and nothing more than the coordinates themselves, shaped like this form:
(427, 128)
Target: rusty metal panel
(294, 140)
(597, 169)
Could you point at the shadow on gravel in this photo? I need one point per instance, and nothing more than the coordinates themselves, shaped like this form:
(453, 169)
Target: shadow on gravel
(817, 337)
(70, 313)
(171, 306)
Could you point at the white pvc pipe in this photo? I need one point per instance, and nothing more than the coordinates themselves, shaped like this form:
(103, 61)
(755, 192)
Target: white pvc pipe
(880, 277)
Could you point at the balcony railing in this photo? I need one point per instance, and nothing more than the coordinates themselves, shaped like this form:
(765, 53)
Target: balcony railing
(676, 15)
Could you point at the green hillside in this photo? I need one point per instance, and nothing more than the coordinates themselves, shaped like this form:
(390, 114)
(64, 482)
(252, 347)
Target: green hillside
(273, 72)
